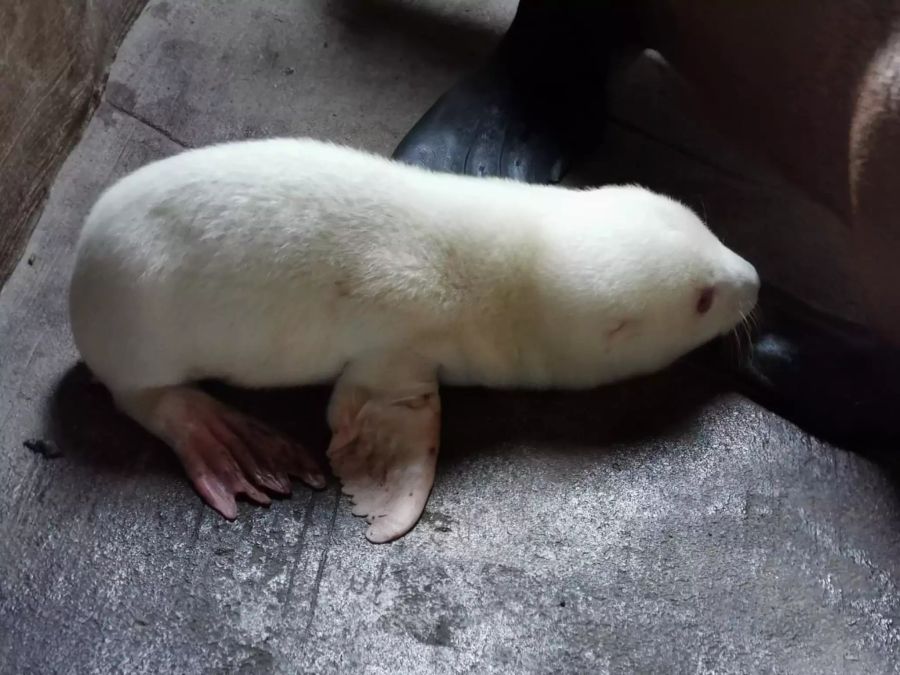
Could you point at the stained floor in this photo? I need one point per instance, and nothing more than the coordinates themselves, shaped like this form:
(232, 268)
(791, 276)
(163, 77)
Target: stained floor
(663, 526)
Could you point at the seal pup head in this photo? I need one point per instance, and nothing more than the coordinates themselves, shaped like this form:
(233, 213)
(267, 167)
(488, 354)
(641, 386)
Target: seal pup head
(640, 280)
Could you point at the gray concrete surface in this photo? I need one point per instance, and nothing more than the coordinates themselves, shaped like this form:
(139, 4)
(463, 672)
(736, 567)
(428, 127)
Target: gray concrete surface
(662, 526)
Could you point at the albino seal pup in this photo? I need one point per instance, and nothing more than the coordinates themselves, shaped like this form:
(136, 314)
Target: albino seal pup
(287, 262)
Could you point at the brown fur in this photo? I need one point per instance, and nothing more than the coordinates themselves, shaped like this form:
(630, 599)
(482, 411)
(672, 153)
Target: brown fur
(814, 85)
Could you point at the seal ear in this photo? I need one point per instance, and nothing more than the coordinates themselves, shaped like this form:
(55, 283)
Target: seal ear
(384, 450)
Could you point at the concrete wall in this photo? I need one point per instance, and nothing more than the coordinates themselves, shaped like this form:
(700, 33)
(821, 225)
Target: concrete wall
(53, 60)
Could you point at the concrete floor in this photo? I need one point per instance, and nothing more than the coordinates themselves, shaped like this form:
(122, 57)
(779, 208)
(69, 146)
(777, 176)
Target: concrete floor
(661, 526)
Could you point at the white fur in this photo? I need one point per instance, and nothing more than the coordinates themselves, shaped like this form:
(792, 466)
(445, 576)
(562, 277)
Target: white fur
(277, 262)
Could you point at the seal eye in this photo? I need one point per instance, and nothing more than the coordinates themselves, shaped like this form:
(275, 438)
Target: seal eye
(705, 301)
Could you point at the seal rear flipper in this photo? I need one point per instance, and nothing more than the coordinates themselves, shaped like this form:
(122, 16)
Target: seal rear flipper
(384, 449)
(225, 453)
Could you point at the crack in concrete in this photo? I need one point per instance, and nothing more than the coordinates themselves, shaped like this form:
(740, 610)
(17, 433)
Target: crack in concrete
(143, 120)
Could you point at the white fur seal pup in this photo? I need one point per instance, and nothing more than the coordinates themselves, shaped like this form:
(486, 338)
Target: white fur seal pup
(285, 262)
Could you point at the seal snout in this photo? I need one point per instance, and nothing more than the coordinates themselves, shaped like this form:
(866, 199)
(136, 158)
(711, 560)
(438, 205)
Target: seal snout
(747, 287)
(741, 287)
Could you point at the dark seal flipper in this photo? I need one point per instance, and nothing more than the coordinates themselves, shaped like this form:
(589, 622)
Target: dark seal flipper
(536, 106)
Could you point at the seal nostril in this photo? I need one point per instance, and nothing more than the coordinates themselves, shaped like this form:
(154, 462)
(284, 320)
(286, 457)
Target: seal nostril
(705, 301)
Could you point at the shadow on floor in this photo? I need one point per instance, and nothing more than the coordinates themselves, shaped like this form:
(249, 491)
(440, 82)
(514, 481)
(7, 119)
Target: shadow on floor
(86, 428)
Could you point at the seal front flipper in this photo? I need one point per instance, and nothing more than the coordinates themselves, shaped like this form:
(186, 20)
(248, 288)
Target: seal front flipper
(385, 416)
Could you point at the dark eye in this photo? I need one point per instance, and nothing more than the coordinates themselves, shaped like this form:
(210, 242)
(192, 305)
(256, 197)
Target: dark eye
(705, 301)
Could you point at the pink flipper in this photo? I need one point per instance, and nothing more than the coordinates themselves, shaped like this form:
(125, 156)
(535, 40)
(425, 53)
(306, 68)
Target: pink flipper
(384, 450)
(224, 452)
